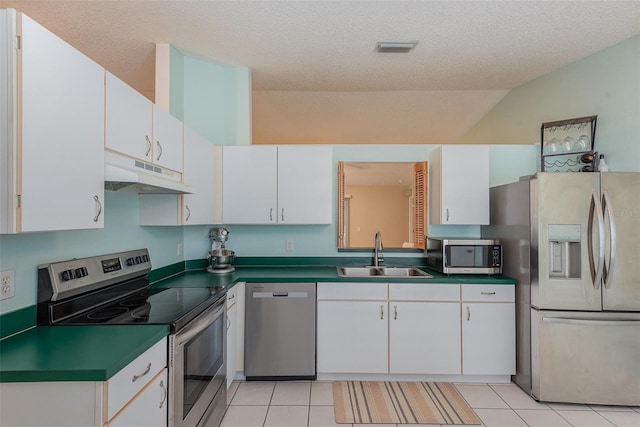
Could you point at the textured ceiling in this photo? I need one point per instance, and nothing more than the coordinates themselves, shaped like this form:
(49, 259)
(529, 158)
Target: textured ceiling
(317, 46)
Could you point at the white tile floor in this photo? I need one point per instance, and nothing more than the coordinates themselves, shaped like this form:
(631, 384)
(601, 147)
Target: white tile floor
(310, 404)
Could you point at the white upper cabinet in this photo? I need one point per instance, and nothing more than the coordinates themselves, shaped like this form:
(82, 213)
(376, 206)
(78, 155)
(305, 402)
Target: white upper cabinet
(167, 140)
(53, 131)
(459, 184)
(249, 184)
(305, 181)
(139, 129)
(129, 120)
(198, 208)
(277, 185)
(199, 174)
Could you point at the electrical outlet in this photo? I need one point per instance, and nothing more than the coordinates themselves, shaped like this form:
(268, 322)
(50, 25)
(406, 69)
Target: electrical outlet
(7, 284)
(289, 246)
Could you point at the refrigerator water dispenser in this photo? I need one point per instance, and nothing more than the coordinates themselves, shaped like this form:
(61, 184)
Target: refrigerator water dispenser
(565, 251)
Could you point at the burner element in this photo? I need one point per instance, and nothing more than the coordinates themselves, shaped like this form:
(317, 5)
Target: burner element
(159, 310)
(107, 313)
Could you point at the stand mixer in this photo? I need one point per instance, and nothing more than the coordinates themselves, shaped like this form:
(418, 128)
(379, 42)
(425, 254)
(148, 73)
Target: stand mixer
(219, 257)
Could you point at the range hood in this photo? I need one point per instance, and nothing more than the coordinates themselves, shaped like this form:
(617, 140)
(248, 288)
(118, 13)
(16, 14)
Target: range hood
(125, 173)
(117, 178)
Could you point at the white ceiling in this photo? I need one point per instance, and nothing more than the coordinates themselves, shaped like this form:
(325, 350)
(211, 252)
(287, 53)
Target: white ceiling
(328, 46)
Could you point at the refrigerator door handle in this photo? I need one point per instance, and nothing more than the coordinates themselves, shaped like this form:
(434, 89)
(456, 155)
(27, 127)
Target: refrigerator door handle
(596, 270)
(592, 322)
(608, 211)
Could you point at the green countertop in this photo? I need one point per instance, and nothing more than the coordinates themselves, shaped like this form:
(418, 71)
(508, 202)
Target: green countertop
(74, 353)
(96, 353)
(270, 274)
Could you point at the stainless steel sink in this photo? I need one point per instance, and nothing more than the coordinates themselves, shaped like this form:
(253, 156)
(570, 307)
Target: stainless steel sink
(372, 271)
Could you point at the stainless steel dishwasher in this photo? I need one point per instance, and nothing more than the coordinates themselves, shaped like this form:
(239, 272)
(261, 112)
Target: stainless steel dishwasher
(280, 331)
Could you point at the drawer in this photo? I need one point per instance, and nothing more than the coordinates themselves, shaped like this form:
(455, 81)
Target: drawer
(423, 292)
(352, 291)
(489, 293)
(133, 377)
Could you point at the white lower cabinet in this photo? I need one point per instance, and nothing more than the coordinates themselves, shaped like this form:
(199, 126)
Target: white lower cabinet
(424, 328)
(239, 329)
(147, 409)
(488, 330)
(352, 336)
(136, 396)
(423, 338)
(353, 328)
(416, 329)
(232, 334)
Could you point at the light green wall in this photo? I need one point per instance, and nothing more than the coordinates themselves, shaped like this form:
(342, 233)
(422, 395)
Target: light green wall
(213, 99)
(24, 252)
(606, 84)
(176, 83)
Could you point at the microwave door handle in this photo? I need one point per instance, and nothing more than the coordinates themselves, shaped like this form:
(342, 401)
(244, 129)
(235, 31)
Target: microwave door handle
(595, 210)
(607, 207)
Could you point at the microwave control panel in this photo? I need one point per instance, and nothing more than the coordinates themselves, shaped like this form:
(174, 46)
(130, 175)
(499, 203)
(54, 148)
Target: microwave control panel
(496, 256)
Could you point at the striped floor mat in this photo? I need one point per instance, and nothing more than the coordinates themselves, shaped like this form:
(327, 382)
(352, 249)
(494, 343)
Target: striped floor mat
(390, 402)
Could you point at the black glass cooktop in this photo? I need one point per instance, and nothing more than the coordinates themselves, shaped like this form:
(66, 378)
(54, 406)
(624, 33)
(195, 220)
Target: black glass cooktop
(164, 306)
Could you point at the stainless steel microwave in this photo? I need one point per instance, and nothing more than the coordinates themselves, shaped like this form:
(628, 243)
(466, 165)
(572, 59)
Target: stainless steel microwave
(464, 256)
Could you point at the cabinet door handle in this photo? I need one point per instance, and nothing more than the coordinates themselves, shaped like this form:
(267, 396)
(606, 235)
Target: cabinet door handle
(487, 293)
(228, 323)
(188, 212)
(164, 394)
(146, 371)
(468, 313)
(231, 297)
(97, 199)
(447, 218)
(395, 312)
(160, 148)
(146, 153)
(282, 214)
(271, 214)
(381, 312)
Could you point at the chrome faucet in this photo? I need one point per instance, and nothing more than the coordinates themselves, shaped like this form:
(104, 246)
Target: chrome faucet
(377, 250)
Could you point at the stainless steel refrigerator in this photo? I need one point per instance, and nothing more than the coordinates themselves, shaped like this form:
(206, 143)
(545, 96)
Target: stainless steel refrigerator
(572, 240)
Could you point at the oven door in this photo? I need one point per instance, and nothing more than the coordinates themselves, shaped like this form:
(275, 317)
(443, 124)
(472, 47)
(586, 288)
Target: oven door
(197, 387)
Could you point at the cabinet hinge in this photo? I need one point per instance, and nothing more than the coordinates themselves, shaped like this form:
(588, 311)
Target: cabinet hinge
(19, 200)
(18, 42)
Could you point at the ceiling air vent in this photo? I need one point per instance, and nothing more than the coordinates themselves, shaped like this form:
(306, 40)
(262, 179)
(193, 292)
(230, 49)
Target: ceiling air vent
(395, 47)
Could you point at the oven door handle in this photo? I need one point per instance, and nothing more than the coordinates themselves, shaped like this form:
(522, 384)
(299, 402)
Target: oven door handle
(201, 322)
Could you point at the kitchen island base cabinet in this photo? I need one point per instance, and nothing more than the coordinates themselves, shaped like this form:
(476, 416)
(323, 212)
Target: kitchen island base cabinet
(135, 396)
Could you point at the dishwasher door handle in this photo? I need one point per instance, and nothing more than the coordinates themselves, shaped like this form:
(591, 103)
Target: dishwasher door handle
(280, 295)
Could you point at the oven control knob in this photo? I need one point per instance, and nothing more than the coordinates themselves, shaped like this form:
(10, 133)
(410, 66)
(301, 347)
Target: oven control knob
(145, 258)
(130, 261)
(67, 275)
(81, 272)
(138, 260)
